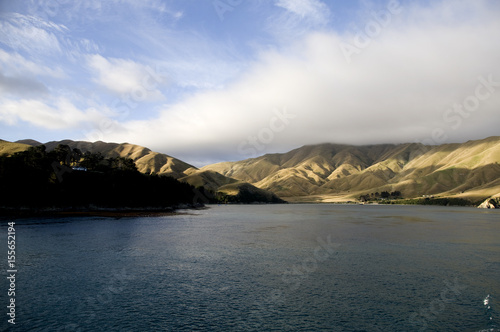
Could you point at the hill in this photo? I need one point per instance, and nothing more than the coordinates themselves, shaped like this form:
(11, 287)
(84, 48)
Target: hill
(330, 172)
(36, 180)
(326, 172)
(146, 161)
(150, 162)
(9, 148)
(30, 142)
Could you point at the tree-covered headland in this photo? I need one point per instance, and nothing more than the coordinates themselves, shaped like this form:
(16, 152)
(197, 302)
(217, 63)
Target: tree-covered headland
(68, 178)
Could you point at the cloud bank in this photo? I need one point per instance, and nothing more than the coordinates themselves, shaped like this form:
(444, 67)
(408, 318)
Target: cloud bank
(397, 88)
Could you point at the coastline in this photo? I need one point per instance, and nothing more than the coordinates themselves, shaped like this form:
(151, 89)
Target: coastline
(349, 199)
(10, 213)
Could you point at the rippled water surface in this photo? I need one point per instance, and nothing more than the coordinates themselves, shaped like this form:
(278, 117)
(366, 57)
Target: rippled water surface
(261, 268)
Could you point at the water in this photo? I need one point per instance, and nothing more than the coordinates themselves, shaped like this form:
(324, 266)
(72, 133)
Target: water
(261, 268)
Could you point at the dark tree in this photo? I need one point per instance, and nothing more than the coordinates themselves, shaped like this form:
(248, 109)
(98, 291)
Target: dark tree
(37, 179)
(92, 161)
(76, 156)
(385, 194)
(396, 194)
(63, 154)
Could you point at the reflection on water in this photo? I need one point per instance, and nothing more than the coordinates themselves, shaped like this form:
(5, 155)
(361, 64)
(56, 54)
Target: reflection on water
(282, 267)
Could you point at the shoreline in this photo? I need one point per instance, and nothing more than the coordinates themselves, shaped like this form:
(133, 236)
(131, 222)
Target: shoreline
(7, 214)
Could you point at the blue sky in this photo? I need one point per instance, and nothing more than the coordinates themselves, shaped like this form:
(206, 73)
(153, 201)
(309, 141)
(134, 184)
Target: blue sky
(209, 81)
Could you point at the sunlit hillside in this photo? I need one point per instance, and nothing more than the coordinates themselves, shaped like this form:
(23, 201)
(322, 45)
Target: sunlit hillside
(328, 172)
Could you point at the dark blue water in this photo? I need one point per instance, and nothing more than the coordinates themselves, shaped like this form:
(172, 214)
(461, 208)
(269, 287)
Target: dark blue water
(261, 268)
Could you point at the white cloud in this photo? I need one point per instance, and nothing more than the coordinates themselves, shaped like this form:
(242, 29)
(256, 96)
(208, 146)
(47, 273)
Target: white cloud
(126, 77)
(395, 90)
(21, 77)
(16, 63)
(61, 115)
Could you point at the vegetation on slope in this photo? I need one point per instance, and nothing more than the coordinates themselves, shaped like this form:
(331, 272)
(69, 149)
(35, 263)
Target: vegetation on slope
(68, 178)
(146, 161)
(444, 201)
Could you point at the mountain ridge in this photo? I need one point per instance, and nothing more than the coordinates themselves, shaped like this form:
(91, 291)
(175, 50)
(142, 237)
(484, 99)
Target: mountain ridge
(331, 172)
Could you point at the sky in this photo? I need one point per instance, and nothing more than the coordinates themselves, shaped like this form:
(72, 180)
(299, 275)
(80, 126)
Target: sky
(223, 80)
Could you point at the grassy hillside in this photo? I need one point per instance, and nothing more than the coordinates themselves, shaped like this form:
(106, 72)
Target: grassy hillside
(209, 179)
(328, 172)
(146, 161)
(9, 148)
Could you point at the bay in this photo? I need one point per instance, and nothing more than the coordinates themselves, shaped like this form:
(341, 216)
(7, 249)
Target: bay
(291, 267)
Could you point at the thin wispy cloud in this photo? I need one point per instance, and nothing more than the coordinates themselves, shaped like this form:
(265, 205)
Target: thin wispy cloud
(297, 18)
(30, 34)
(312, 10)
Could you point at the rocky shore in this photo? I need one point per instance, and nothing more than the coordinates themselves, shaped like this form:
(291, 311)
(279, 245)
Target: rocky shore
(491, 203)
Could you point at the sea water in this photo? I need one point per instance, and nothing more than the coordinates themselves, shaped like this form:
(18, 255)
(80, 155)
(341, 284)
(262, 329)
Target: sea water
(260, 268)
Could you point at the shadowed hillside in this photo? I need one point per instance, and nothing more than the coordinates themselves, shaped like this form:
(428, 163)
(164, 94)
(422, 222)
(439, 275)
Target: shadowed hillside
(66, 178)
(154, 163)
